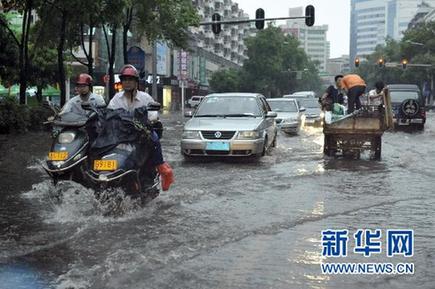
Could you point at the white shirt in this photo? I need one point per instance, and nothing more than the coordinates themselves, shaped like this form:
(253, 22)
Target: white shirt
(141, 99)
(75, 104)
(375, 101)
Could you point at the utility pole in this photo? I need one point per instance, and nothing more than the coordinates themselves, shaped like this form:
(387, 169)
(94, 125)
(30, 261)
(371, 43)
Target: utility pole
(154, 63)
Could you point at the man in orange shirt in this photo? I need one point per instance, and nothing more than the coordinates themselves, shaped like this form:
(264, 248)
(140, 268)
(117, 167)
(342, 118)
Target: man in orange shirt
(354, 86)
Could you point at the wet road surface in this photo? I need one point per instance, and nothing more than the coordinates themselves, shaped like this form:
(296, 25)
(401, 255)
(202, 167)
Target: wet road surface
(224, 224)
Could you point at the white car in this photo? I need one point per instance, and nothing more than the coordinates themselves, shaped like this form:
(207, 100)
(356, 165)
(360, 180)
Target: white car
(195, 100)
(290, 114)
(301, 94)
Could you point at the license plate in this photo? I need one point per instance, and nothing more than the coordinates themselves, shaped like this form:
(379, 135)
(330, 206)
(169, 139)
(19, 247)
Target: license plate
(416, 120)
(218, 146)
(57, 156)
(105, 165)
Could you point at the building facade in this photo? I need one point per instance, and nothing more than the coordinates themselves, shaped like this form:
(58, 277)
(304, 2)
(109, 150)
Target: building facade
(372, 21)
(312, 39)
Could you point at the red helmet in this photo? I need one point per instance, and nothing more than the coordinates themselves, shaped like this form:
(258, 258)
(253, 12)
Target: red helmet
(84, 79)
(129, 70)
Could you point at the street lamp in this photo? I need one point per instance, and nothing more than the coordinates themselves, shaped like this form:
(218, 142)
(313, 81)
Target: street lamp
(414, 43)
(430, 73)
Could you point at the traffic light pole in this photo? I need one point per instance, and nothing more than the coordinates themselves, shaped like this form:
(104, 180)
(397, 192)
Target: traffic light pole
(250, 20)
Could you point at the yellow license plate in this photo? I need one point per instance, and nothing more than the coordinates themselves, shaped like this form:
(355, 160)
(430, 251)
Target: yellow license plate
(57, 156)
(105, 165)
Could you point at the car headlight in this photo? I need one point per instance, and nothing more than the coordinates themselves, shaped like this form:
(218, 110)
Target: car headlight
(248, 134)
(322, 115)
(66, 137)
(191, 134)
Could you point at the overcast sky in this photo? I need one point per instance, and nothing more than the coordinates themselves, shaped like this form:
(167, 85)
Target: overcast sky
(335, 13)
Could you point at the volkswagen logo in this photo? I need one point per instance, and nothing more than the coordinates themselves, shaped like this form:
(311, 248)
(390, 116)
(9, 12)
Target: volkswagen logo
(218, 134)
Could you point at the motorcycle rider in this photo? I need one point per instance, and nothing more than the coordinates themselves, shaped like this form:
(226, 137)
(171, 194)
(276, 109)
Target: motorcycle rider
(130, 99)
(84, 95)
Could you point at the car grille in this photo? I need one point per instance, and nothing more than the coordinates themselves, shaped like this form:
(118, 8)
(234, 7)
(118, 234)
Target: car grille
(211, 134)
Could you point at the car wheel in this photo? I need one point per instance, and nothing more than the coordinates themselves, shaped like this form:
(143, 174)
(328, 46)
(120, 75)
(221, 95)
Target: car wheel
(420, 126)
(274, 142)
(263, 153)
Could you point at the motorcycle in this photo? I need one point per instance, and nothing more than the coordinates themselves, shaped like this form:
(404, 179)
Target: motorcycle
(69, 148)
(120, 156)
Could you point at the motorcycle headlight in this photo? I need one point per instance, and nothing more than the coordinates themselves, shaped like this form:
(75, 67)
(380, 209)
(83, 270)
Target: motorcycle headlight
(66, 137)
(248, 134)
(191, 134)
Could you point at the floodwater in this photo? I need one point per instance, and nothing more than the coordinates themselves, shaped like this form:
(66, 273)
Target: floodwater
(223, 224)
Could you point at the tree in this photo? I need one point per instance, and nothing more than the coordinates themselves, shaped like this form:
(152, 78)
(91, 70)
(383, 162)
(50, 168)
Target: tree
(273, 63)
(8, 57)
(21, 38)
(225, 80)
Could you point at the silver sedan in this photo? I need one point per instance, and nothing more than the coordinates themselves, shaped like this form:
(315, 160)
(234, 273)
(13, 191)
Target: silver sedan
(290, 114)
(230, 124)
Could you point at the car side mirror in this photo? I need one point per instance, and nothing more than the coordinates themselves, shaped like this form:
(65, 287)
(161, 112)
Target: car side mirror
(153, 106)
(302, 109)
(271, 114)
(188, 113)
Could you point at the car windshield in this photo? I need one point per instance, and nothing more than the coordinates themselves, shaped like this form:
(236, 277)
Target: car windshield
(401, 95)
(237, 106)
(309, 103)
(283, 106)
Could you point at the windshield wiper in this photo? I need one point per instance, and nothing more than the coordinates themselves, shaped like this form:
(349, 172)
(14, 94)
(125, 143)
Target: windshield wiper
(210, 115)
(241, 115)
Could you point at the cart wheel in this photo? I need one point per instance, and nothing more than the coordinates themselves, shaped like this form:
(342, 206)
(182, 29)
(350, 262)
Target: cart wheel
(326, 145)
(378, 147)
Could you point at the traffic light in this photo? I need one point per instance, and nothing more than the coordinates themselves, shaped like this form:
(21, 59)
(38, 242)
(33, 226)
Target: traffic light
(259, 14)
(309, 15)
(216, 27)
(381, 62)
(404, 63)
(357, 62)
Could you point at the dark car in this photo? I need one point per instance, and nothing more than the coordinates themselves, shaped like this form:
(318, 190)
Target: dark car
(408, 105)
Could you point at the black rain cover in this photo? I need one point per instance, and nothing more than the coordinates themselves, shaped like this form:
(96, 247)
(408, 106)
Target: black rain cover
(120, 126)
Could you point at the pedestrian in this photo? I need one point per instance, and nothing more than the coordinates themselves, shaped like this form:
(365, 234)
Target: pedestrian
(354, 86)
(376, 95)
(83, 87)
(332, 95)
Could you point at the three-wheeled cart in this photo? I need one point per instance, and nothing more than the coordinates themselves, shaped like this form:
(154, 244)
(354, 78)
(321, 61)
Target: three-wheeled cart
(355, 133)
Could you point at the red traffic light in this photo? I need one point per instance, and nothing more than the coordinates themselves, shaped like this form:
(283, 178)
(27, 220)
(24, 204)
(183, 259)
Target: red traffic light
(404, 63)
(357, 62)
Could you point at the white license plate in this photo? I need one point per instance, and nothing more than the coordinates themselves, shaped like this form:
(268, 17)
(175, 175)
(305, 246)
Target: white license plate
(417, 120)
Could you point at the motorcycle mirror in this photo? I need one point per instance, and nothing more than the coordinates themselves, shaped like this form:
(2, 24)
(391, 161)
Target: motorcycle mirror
(153, 106)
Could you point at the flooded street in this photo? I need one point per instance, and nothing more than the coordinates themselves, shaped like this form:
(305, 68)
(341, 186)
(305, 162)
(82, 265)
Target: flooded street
(223, 224)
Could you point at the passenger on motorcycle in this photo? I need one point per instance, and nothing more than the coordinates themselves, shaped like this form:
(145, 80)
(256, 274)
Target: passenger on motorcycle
(130, 99)
(83, 88)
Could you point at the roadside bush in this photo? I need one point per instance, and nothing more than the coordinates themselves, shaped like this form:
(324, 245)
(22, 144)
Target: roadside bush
(20, 118)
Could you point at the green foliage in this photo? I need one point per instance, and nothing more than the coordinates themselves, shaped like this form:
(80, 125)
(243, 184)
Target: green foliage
(417, 46)
(8, 56)
(271, 68)
(166, 20)
(225, 80)
(20, 118)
